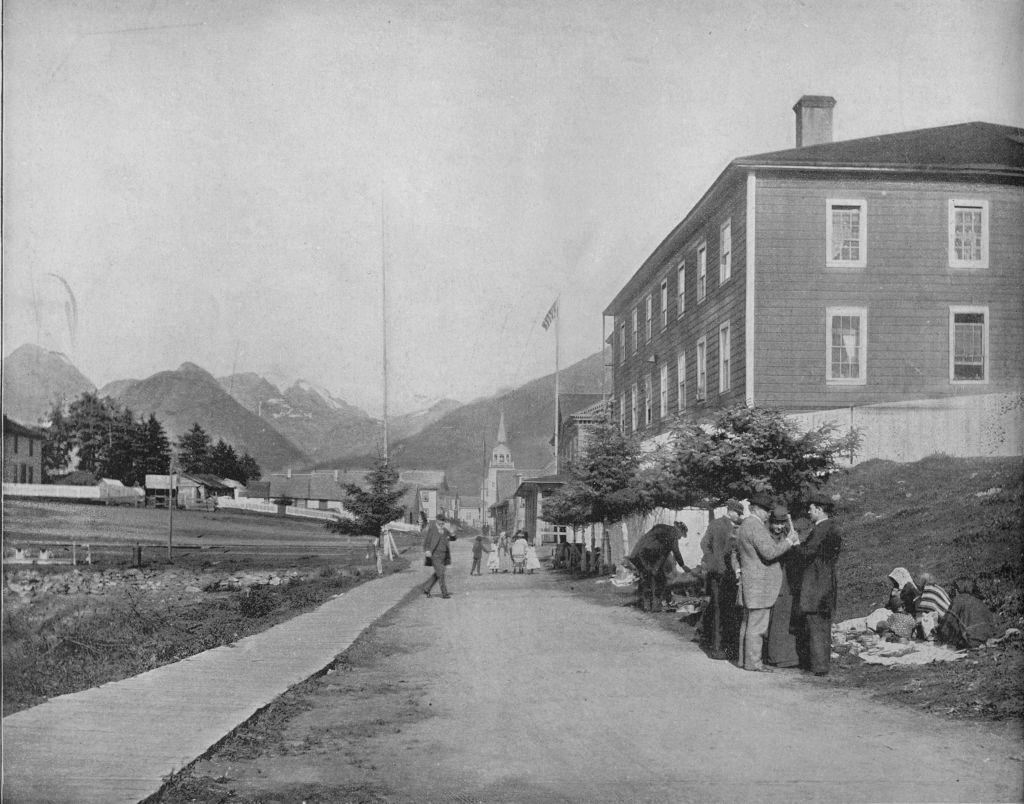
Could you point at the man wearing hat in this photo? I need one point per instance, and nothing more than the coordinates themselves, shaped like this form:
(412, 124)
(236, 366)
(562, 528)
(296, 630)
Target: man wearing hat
(720, 627)
(760, 579)
(818, 584)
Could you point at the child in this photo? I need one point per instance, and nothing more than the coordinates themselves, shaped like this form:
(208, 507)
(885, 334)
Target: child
(532, 562)
(492, 558)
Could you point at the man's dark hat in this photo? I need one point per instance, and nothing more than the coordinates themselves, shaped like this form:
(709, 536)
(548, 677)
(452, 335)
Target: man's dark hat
(734, 505)
(761, 500)
(779, 514)
(819, 498)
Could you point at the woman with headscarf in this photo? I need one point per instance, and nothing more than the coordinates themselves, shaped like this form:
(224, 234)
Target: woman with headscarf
(780, 644)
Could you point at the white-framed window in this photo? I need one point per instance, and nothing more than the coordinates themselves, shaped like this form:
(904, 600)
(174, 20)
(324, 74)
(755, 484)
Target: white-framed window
(702, 369)
(681, 381)
(664, 303)
(633, 407)
(648, 401)
(681, 290)
(649, 331)
(622, 342)
(725, 252)
(702, 271)
(846, 233)
(724, 358)
(968, 344)
(968, 234)
(622, 412)
(846, 338)
(663, 392)
(636, 330)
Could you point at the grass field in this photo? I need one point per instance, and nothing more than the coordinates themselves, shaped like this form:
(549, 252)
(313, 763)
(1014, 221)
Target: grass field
(108, 620)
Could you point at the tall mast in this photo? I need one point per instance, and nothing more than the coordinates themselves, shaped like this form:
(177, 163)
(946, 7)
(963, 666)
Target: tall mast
(384, 318)
(558, 315)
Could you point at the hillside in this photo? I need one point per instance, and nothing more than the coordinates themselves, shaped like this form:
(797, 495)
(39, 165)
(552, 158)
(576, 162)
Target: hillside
(190, 394)
(34, 378)
(461, 440)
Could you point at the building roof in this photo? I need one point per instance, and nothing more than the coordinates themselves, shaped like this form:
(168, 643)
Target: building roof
(569, 404)
(973, 151)
(212, 482)
(964, 147)
(428, 478)
(12, 427)
(257, 489)
(469, 502)
(543, 483)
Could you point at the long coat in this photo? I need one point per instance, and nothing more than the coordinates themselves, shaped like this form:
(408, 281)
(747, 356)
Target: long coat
(819, 587)
(761, 577)
(435, 542)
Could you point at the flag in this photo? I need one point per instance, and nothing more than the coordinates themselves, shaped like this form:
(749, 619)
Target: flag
(551, 316)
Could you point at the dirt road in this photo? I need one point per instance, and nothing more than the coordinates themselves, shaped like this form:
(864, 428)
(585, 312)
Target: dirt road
(516, 689)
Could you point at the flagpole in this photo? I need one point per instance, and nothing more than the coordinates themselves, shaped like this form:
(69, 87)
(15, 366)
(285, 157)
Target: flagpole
(557, 327)
(384, 319)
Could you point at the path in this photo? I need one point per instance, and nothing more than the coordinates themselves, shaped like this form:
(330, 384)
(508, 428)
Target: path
(115, 743)
(518, 690)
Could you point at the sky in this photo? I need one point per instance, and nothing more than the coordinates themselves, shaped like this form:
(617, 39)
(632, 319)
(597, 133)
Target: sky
(229, 182)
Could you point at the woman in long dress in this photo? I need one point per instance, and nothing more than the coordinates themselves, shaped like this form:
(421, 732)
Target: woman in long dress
(504, 553)
(532, 562)
(780, 646)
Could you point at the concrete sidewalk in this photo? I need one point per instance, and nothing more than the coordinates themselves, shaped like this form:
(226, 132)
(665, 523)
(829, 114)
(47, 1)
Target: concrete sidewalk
(117, 742)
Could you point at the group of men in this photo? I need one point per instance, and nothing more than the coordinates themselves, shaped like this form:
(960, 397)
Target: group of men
(745, 577)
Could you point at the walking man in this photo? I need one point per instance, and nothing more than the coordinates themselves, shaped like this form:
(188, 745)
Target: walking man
(818, 584)
(760, 580)
(480, 546)
(437, 555)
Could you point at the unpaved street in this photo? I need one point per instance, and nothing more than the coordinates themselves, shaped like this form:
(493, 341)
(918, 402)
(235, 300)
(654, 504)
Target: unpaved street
(518, 690)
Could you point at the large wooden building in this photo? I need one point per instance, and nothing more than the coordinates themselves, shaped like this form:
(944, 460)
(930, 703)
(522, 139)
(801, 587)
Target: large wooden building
(833, 275)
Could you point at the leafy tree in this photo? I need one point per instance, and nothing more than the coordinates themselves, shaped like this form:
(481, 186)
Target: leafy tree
(90, 423)
(120, 458)
(194, 450)
(744, 450)
(57, 443)
(373, 507)
(604, 484)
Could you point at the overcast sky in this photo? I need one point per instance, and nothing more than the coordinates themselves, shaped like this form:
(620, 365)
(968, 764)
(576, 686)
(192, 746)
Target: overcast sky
(207, 179)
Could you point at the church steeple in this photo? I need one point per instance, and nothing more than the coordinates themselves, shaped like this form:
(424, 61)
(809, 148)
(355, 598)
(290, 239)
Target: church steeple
(501, 456)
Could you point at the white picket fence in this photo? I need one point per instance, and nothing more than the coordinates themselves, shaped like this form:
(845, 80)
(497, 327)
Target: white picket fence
(123, 495)
(245, 504)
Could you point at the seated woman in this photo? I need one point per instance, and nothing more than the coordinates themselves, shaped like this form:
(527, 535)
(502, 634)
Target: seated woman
(904, 593)
(968, 623)
(931, 606)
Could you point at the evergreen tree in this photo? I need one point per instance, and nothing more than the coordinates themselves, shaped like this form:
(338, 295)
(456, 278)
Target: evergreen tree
(90, 423)
(224, 461)
(248, 468)
(374, 507)
(604, 484)
(154, 447)
(194, 451)
(118, 458)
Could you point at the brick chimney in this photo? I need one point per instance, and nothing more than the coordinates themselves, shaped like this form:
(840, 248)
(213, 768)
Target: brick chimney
(813, 119)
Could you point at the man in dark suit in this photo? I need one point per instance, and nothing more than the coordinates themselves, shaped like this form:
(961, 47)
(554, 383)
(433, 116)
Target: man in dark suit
(720, 630)
(435, 548)
(818, 585)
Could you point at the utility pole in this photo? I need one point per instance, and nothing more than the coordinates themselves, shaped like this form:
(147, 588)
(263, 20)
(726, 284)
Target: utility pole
(170, 506)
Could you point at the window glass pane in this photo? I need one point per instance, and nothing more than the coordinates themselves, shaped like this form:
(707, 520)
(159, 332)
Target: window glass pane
(845, 347)
(969, 346)
(845, 233)
(967, 233)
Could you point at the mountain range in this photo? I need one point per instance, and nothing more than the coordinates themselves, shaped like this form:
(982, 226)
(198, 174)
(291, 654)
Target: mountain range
(305, 425)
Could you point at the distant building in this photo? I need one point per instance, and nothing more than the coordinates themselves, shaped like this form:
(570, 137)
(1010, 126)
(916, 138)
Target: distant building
(23, 453)
(879, 279)
(500, 481)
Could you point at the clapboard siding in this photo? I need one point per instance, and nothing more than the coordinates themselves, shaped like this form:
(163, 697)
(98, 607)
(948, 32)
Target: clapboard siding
(723, 302)
(906, 286)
